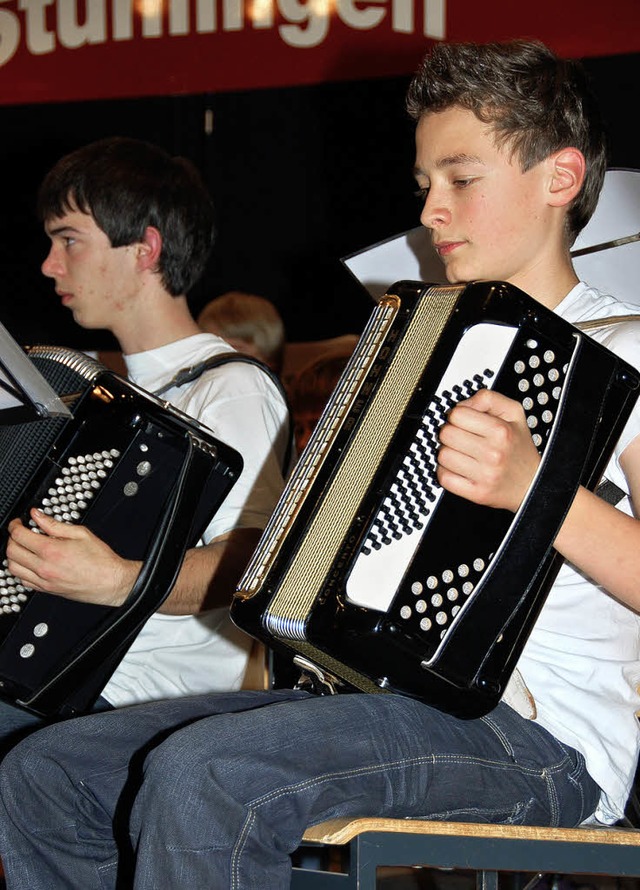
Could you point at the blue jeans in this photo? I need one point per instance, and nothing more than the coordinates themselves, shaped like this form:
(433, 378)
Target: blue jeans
(215, 792)
(16, 723)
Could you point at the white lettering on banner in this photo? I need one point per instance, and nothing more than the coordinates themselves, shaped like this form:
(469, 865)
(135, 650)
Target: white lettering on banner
(306, 22)
(39, 40)
(9, 34)
(94, 29)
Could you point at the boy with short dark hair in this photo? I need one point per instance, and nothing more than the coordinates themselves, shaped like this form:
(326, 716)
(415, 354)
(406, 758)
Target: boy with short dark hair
(131, 229)
(223, 787)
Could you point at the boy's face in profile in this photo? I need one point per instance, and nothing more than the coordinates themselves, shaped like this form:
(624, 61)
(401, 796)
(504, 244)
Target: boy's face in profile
(488, 219)
(93, 279)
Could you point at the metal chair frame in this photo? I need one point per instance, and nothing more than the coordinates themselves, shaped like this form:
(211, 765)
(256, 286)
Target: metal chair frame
(488, 850)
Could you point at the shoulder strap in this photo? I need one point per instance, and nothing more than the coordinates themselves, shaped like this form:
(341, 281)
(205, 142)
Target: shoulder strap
(604, 322)
(186, 375)
(609, 491)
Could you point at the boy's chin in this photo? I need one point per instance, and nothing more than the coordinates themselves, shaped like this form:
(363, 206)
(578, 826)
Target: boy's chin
(456, 278)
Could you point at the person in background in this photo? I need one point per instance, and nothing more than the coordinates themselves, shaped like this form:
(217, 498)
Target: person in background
(216, 791)
(311, 388)
(249, 323)
(131, 229)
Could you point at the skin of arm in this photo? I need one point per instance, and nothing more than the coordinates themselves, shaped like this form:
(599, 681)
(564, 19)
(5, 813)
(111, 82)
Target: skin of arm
(70, 561)
(488, 457)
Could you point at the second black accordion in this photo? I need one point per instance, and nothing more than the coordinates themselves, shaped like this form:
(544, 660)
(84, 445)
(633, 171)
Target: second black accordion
(145, 477)
(372, 575)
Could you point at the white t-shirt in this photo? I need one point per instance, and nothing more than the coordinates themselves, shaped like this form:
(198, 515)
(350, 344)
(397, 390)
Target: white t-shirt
(582, 660)
(187, 654)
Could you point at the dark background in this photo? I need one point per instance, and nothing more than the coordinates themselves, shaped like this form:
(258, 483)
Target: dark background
(300, 178)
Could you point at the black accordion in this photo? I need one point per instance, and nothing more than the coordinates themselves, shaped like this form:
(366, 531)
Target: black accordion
(371, 576)
(143, 476)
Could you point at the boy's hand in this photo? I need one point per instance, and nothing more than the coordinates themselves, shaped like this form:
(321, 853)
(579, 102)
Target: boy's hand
(68, 560)
(487, 454)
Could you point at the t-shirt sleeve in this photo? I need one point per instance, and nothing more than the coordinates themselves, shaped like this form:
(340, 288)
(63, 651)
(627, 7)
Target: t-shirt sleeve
(624, 340)
(244, 409)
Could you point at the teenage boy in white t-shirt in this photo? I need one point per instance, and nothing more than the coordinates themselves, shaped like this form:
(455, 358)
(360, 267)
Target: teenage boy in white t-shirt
(131, 229)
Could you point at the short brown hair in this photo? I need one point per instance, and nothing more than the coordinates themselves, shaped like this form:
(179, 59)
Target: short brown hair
(535, 102)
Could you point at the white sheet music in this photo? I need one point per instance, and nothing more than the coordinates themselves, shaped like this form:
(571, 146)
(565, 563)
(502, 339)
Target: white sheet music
(22, 385)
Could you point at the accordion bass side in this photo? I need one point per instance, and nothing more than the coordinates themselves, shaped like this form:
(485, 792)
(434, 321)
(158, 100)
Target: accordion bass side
(144, 477)
(372, 576)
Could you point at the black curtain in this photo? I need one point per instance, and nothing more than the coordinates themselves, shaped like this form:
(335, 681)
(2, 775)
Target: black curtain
(300, 178)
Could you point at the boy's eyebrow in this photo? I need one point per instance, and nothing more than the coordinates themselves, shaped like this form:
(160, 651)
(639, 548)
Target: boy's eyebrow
(58, 230)
(451, 161)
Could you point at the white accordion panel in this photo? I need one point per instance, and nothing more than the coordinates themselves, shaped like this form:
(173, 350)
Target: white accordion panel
(397, 530)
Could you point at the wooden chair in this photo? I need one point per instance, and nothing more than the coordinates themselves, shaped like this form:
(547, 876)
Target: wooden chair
(487, 850)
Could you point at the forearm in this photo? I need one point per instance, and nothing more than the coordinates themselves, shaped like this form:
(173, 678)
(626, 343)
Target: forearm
(209, 574)
(604, 544)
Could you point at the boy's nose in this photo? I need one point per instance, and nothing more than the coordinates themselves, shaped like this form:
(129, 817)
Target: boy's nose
(51, 266)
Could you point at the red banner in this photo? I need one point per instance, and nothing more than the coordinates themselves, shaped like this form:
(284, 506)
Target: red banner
(64, 50)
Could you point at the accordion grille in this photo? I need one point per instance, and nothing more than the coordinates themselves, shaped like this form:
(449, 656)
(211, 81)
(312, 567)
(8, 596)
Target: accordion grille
(333, 514)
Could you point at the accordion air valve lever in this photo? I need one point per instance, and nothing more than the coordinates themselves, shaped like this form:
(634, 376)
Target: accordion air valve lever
(368, 568)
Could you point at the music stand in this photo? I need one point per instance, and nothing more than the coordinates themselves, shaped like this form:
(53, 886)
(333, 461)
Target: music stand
(24, 393)
(606, 253)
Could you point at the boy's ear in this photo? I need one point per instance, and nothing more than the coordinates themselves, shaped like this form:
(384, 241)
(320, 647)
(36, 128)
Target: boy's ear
(567, 173)
(149, 249)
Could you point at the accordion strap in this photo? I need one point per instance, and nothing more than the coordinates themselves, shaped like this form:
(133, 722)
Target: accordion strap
(609, 491)
(186, 375)
(594, 323)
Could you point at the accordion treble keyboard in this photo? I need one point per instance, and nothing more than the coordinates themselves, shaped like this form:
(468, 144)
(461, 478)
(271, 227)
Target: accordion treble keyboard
(431, 599)
(67, 500)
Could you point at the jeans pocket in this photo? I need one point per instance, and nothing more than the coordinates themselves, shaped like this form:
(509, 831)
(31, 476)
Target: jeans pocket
(513, 813)
(502, 737)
